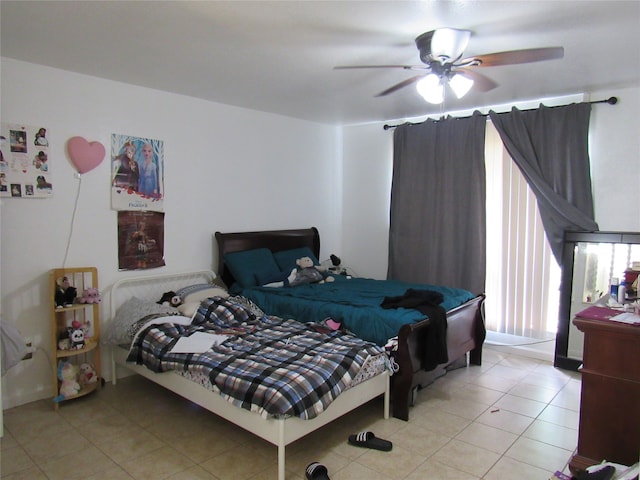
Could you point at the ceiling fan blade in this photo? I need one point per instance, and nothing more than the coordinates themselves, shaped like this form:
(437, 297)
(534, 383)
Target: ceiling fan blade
(481, 82)
(400, 85)
(516, 56)
(405, 67)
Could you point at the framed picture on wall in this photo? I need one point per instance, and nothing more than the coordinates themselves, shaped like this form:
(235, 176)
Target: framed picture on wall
(137, 173)
(140, 240)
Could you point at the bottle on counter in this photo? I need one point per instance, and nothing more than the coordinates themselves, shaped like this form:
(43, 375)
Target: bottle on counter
(614, 287)
(622, 292)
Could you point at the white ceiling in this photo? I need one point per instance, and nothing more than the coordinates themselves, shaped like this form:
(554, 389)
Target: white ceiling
(278, 56)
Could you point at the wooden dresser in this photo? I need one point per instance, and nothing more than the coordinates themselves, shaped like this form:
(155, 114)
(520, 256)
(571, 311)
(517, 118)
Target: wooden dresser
(610, 399)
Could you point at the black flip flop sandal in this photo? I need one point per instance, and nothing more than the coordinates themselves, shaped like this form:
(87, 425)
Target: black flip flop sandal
(369, 440)
(605, 473)
(317, 471)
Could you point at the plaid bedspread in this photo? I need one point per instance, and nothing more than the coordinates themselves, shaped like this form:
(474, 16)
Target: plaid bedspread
(268, 364)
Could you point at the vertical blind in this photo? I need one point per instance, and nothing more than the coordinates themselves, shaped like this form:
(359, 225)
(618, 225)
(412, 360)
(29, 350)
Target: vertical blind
(523, 278)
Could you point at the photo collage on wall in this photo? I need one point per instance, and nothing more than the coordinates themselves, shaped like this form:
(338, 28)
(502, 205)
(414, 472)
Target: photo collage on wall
(137, 192)
(25, 166)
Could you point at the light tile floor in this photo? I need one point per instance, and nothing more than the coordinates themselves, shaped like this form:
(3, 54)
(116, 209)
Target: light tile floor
(512, 417)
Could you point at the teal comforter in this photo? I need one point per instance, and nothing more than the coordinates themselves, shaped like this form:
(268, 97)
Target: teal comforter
(353, 302)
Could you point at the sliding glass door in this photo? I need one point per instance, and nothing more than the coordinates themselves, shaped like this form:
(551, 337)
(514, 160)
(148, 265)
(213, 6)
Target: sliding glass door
(523, 278)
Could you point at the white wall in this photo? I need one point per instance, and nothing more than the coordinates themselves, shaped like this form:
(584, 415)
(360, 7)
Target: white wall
(615, 160)
(368, 165)
(226, 168)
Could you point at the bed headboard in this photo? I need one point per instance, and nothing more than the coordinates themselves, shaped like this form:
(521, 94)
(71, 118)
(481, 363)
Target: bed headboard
(274, 240)
(151, 287)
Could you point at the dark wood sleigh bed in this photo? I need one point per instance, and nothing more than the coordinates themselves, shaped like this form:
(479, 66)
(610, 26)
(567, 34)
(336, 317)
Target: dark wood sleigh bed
(465, 323)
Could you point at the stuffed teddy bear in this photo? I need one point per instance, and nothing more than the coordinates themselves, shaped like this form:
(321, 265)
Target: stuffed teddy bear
(68, 375)
(65, 294)
(87, 374)
(307, 272)
(90, 295)
(170, 299)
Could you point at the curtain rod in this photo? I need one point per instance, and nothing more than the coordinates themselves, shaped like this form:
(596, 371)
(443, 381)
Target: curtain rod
(610, 101)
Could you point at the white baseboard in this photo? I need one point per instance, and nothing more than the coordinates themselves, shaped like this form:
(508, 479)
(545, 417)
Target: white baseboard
(523, 346)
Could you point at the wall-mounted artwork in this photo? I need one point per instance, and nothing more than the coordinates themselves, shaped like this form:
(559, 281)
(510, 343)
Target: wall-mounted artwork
(137, 173)
(140, 240)
(25, 166)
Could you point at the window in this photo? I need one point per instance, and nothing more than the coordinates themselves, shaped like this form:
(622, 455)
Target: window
(523, 277)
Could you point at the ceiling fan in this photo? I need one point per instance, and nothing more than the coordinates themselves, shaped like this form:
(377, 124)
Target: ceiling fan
(441, 53)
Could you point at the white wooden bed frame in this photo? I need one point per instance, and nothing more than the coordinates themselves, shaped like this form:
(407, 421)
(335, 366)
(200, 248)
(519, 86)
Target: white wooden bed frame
(278, 431)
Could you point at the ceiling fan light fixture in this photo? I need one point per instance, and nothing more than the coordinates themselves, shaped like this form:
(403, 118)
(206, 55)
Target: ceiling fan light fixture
(460, 85)
(448, 44)
(431, 89)
(441, 51)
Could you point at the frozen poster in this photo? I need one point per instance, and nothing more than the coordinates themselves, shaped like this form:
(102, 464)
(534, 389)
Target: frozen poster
(137, 173)
(25, 167)
(140, 240)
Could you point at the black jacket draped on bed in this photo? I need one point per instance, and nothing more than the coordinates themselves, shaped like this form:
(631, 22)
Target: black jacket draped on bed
(435, 337)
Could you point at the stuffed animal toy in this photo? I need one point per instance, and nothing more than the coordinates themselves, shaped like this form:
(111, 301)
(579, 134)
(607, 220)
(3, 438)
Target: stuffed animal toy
(74, 337)
(65, 294)
(87, 374)
(77, 333)
(68, 376)
(170, 299)
(90, 295)
(64, 344)
(307, 272)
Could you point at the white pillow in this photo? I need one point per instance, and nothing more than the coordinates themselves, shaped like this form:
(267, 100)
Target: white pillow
(192, 296)
(188, 309)
(200, 295)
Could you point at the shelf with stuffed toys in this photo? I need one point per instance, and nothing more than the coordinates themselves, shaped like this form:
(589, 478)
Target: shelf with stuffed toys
(75, 332)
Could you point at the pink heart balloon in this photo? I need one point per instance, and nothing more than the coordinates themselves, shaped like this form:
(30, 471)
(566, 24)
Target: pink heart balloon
(85, 156)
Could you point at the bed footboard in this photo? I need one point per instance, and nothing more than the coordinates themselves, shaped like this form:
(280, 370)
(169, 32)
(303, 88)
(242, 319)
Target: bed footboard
(465, 333)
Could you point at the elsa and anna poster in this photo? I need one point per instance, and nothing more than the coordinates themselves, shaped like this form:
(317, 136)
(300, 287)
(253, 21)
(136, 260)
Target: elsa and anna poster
(137, 170)
(137, 192)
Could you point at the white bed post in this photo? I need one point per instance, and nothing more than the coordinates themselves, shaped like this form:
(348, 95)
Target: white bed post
(114, 376)
(281, 449)
(387, 398)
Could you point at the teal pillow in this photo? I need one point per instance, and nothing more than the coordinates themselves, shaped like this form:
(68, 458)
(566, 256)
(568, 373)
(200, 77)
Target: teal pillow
(266, 278)
(246, 266)
(286, 259)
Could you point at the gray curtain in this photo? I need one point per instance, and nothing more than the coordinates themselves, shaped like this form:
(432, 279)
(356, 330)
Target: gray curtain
(550, 147)
(437, 229)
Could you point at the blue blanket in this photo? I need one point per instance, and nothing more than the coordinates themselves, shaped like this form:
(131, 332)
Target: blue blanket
(353, 302)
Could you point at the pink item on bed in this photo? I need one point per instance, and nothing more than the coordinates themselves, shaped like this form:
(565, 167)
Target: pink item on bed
(332, 324)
